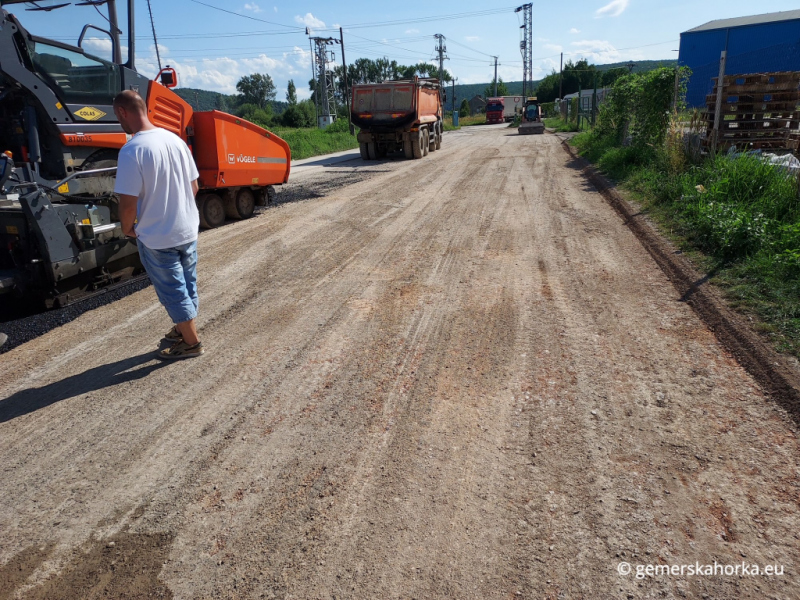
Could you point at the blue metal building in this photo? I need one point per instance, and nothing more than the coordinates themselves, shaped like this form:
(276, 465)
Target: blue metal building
(757, 44)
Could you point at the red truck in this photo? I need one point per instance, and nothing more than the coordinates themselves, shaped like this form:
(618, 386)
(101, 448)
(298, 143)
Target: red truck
(398, 115)
(495, 108)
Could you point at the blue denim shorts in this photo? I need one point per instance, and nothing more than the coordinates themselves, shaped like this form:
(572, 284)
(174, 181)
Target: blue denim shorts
(173, 272)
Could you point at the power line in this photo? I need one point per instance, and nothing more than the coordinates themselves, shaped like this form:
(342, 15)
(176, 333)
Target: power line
(252, 18)
(471, 49)
(463, 15)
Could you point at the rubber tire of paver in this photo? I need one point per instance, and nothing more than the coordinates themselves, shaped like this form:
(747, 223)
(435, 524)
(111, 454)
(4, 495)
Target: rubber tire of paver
(242, 206)
(212, 211)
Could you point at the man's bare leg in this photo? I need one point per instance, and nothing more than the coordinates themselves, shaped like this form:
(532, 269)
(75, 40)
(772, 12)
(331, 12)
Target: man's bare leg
(188, 331)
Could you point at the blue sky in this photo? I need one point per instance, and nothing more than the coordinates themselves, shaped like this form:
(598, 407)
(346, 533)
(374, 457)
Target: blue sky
(212, 49)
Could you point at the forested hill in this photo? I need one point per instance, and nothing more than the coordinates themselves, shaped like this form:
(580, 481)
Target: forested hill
(205, 100)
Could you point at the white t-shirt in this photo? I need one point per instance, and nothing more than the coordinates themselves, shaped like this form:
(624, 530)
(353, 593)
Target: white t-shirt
(157, 167)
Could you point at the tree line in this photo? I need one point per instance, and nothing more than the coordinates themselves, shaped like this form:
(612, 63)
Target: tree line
(257, 95)
(577, 76)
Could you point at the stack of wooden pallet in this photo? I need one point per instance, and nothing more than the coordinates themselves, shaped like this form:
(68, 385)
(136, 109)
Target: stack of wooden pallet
(759, 111)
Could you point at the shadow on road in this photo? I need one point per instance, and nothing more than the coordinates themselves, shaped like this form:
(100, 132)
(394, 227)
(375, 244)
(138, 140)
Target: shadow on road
(130, 369)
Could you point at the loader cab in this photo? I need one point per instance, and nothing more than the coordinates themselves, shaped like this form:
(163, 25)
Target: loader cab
(75, 77)
(531, 112)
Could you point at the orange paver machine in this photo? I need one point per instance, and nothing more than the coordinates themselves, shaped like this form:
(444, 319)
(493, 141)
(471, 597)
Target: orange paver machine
(59, 225)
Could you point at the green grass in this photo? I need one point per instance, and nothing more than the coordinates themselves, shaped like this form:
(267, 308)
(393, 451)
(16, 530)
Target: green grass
(739, 218)
(308, 142)
(559, 124)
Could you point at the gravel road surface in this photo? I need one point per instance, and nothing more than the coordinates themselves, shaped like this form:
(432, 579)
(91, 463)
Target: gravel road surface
(458, 377)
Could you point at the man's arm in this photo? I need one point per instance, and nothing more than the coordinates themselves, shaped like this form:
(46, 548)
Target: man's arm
(195, 187)
(127, 213)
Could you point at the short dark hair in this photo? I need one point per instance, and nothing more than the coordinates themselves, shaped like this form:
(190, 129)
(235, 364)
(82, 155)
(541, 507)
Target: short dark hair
(131, 101)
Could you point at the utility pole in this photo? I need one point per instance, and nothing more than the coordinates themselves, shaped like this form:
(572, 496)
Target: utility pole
(526, 46)
(454, 93)
(495, 76)
(561, 79)
(346, 88)
(155, 39)
(441, 49)
(313, 76)
(326, 91)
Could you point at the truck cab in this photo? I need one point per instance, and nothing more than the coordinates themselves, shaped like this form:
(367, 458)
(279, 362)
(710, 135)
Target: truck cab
(495, 107)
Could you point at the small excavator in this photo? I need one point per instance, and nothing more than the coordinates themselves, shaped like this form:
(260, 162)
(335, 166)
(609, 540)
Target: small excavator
(531, 122)
(60, 232)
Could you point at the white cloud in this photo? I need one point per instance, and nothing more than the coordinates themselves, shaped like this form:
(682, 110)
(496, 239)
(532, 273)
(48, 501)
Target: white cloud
(98, 46)
(221, 74)
(602, 52)
(613, 9)
(472, 38)
(573, 30)
(310, 21)
(412, 31)
(252, 6)
(101, 47)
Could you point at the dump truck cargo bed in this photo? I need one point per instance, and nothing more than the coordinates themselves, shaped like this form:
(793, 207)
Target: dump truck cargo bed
(398, 115)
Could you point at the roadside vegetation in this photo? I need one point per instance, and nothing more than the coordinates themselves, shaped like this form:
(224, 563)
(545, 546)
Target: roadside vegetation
(312, 141)
(737, 215)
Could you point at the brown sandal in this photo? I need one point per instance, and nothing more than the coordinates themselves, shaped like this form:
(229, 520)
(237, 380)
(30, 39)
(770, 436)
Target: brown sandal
(180, 350)
(173, 335)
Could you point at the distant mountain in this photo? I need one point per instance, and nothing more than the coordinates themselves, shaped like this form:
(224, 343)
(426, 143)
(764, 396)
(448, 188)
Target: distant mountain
(640, 66)
(202, 100)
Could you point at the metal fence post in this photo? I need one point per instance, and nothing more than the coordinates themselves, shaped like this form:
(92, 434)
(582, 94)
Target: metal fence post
(594, 101)
(718, 110)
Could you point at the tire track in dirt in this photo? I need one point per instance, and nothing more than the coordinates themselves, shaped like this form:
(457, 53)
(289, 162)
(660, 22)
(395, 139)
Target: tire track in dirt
(458, 377)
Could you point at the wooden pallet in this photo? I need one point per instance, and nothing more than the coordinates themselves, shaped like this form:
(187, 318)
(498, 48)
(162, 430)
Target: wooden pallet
(759, 111)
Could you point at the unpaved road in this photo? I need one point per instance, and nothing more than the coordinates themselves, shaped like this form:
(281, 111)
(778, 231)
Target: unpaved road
(460, 377)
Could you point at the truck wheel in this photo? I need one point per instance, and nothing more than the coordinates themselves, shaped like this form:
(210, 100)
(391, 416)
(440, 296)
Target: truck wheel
(426, 144)
(439, 136)
(372, 150)
(364, 152)
(432, 140)
(419, 145)
(212, 211)
(408, 148)
(241, 207)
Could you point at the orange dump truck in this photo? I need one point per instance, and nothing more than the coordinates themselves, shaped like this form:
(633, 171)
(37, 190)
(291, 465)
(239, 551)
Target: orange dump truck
(398, 115)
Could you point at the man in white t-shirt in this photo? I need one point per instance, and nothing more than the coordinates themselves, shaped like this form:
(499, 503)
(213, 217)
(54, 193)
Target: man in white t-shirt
(157, 183)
